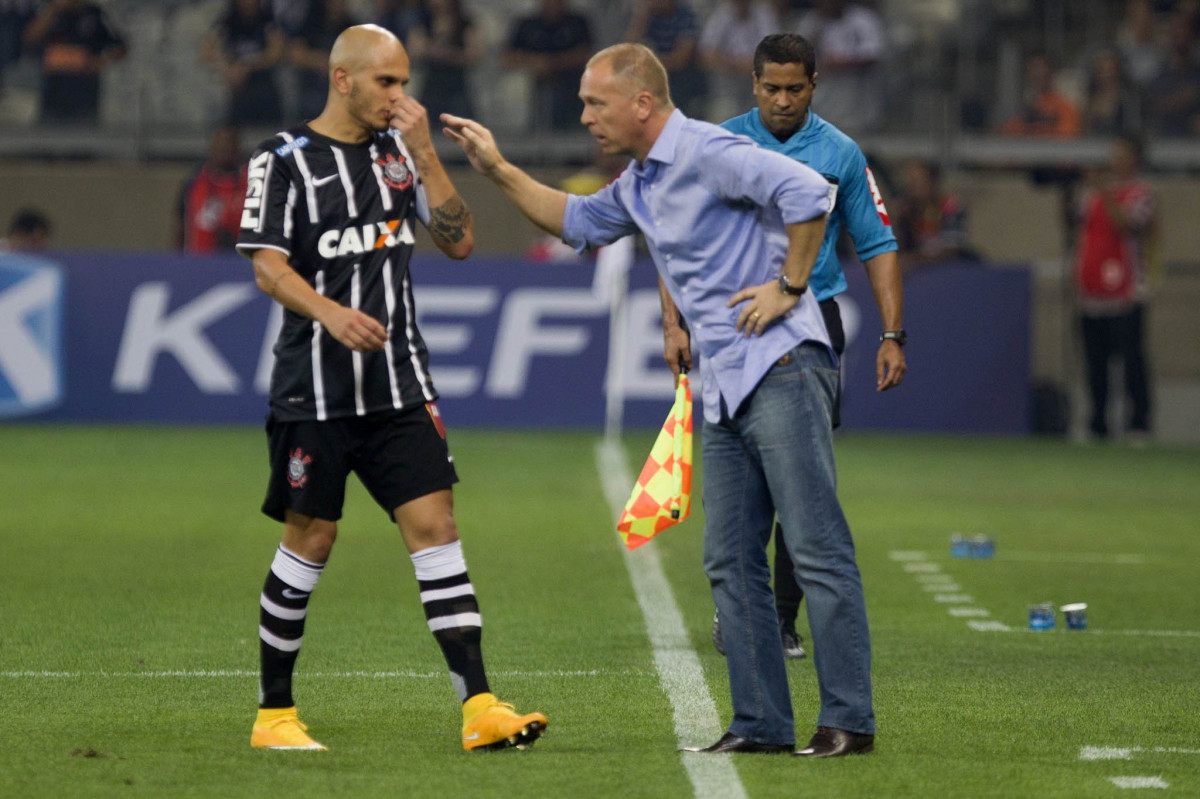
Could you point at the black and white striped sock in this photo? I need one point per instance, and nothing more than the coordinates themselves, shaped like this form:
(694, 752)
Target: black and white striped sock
(453, 615)
(284, 604)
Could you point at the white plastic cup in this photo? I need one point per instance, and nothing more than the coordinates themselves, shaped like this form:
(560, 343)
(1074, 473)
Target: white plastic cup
(1076, 615)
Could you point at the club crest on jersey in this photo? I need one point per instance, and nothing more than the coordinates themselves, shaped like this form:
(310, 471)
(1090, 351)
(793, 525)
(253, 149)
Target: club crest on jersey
(297, 472)
(395, 172)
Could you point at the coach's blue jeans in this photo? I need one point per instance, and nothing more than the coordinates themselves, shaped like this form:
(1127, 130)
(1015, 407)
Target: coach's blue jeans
(776, 456)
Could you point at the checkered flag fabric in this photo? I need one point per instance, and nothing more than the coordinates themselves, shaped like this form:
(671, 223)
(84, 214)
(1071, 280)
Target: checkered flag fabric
(663, 494)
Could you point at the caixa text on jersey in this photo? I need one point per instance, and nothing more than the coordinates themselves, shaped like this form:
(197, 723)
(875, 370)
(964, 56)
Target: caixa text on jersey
(359, 239)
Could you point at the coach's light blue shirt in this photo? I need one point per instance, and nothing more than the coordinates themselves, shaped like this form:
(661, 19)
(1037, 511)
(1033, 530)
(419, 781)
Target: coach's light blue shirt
(712, 207)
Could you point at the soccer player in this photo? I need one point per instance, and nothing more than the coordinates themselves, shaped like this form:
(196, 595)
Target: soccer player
(328, 221)
(785, 79)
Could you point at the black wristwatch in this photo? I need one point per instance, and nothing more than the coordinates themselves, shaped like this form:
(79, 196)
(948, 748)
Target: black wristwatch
(898, 336)
(786, 286)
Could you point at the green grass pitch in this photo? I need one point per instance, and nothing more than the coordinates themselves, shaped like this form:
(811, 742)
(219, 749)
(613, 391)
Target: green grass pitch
(134, 557)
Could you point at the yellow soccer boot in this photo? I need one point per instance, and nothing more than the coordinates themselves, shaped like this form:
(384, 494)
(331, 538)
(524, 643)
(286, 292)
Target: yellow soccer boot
(281, 728)
(489, 723)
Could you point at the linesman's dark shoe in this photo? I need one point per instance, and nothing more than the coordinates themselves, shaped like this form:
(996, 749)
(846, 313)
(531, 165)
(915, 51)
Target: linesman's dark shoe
(792, 650)
(732, 743)
(828, 742)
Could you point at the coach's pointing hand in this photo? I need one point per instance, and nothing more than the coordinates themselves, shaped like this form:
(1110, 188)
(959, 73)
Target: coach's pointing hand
(543, 205)
(477, 142)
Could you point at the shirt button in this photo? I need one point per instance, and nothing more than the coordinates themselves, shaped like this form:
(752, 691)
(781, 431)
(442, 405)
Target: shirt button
(657, 223)
(667, 256)
(685, 290)
(698, 325)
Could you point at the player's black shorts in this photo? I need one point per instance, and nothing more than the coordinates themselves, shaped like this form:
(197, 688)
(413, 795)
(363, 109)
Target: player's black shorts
(398, 455)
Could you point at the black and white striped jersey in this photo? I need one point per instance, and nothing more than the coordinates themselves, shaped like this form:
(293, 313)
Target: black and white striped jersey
(344, 216)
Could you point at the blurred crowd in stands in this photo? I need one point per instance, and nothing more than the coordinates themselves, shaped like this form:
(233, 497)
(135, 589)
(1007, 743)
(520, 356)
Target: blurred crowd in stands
(1060, 68)
(1145, 82)
(28, 232)
(1020, 68)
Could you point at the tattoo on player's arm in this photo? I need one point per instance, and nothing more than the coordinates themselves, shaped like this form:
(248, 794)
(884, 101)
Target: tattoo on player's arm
(449, 221)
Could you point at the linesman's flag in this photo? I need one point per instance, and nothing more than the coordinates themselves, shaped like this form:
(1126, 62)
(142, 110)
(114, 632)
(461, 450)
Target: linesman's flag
(663, 494)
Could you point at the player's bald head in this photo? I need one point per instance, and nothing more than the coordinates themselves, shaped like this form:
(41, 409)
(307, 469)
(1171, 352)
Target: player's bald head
(361, 46)
(635, 68)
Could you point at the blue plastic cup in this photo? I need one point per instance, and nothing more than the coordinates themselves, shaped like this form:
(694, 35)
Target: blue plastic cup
(982, 546)
(1041, 616)
(960, 546)
(1076, 615)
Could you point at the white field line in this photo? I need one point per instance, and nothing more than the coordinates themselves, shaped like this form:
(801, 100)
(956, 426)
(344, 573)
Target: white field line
(1092, 631)
(989, 626)
(1127, 752)
(953, 599)
(943, 589)
(696, 719)
(1073, 557)
(247, 673)
(1139, 782)
(907, 554)
(1153, 633)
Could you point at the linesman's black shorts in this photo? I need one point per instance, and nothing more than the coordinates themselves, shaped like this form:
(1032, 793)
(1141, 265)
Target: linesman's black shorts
(398, 455)
(832, 315)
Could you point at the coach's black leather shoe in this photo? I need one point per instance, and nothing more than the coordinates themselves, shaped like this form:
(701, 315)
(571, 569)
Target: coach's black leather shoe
(732, 743)
(828, 742)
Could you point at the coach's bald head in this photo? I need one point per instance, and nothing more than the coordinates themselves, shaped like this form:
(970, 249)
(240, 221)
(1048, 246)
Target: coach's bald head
(626, 101)
(635, 68)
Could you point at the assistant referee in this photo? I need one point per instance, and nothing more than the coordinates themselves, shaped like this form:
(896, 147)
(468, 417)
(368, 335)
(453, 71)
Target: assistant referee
(328, 222)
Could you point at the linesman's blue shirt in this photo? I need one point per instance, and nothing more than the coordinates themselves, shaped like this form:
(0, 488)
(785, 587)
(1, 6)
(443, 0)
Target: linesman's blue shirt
(712, 207)
(859, 206)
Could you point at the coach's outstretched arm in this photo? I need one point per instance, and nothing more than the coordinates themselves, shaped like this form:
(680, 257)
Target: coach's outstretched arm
(543, 205)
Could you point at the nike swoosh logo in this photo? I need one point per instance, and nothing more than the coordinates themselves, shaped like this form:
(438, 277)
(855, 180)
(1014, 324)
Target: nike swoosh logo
(322, 181)
(471, 737)
(288, 593)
